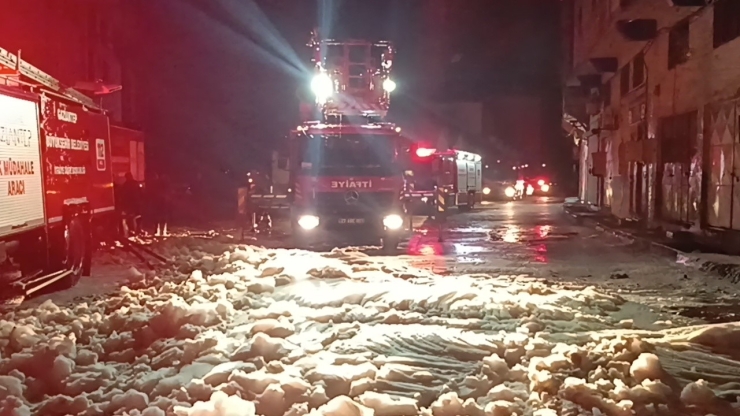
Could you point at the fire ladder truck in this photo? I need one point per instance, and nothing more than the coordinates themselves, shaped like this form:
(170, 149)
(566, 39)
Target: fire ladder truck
(344, 172)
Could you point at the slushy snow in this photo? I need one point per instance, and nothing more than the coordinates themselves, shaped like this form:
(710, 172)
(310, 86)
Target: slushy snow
(242, 331)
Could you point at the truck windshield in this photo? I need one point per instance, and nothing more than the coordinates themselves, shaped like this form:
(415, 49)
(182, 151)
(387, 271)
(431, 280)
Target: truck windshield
(350, 154)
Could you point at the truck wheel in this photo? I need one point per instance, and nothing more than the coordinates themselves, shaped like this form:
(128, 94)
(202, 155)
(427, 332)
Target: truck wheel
(75, 251)
(390, 244)
(297, 238)
(471, 200)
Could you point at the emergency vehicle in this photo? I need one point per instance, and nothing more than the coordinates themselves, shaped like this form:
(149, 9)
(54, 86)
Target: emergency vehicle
(458, 173)
(344, 165)
(56, 183)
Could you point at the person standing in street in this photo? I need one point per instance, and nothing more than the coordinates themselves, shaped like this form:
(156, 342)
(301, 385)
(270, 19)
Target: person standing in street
(129, 205)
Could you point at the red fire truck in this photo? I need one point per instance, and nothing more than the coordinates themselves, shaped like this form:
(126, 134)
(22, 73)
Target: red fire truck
(56, 184)
(457, 172)
(345, 174)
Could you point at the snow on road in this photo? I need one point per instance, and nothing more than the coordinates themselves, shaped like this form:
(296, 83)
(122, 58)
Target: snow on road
(238, 330)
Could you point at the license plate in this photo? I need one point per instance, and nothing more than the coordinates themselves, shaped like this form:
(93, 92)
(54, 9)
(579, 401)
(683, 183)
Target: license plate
(351, 220)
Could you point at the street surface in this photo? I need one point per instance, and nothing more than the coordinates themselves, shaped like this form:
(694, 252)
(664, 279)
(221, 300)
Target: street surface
(518, 311)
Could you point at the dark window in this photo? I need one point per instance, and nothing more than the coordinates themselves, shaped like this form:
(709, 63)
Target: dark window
(359, 54)
(678, 45)
(624, 80)
(351, 154)
(726, 21)
(638, 70)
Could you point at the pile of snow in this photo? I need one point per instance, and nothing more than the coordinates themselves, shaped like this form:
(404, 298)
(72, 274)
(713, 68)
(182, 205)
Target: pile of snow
(247, 331)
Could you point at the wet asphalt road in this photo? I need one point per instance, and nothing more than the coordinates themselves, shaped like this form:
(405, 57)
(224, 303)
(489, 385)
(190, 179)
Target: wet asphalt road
(536, 238)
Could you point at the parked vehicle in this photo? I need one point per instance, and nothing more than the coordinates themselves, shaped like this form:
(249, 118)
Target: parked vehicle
(56, 189)
(459, 173)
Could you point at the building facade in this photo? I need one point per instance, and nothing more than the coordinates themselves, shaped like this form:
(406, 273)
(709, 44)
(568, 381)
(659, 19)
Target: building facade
(74, 41)
(652, 95)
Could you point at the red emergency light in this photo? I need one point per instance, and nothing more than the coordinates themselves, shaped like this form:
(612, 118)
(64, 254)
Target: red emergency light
(425, 152)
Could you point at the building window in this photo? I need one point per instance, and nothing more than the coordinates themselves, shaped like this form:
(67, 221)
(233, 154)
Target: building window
(726, 21)
(624, 80)
(678, 45)
(638, 70)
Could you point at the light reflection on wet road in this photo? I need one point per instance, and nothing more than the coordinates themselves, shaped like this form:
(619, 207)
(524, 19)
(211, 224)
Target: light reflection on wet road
(535, 237)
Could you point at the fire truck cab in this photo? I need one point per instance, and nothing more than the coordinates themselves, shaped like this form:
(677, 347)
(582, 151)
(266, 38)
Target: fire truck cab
(347, 180)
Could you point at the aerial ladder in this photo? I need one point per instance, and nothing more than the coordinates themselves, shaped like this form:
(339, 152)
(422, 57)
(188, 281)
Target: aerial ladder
(12, 68)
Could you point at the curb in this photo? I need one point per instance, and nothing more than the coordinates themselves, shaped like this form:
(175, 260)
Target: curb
(729, 271)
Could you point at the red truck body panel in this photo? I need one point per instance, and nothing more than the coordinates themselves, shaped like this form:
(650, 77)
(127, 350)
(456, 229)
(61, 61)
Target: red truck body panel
(76, 157)
(127, 153)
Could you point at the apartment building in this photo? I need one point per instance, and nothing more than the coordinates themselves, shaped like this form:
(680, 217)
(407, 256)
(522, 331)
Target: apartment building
(652, 95)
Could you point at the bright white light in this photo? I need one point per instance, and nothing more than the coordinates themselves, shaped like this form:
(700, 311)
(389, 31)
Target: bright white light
(308, 222)
(530, 189)
(393, 222)
(544, 165)
(510, 192)
(541, 182)
(486, 190)
(424, 152)
(519, 185)
(545, 188)
(389, 85)
(322, 86)
(398, 129)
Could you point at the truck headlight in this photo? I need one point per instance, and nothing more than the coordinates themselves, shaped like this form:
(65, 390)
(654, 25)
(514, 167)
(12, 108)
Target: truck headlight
(530, 189)
(393, 222)
(509, 192)
(322, 86)
(486, 190)
(389, 85)
(545, 188)
(308, 222)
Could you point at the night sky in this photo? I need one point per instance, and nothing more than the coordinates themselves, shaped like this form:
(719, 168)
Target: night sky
(216, 80)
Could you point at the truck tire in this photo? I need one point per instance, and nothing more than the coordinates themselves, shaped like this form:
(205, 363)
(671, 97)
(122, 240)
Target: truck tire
(298, 239)
(390, 244)
(471, 200)
(469, 203)
(76, 252)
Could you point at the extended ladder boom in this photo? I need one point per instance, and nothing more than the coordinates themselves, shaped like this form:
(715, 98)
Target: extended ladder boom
(40, 77)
